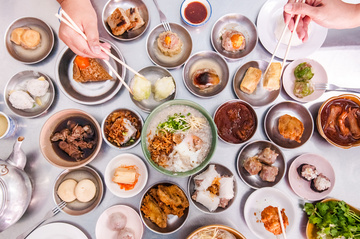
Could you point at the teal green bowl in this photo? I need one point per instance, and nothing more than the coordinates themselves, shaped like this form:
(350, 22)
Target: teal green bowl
(154, 113)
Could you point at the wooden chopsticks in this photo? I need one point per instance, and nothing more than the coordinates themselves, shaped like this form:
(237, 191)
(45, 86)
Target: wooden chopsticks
(73, 26)
(289, 44)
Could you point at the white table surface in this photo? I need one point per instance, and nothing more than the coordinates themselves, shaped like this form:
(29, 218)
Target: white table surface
(340, 55)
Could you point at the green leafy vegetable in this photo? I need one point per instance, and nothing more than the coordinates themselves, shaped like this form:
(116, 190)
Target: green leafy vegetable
(334, 219)
(177, 122)
(303, 72)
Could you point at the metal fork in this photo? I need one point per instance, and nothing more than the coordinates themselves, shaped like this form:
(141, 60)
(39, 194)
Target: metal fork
(163, 19)
(48, 215)
(331, 87)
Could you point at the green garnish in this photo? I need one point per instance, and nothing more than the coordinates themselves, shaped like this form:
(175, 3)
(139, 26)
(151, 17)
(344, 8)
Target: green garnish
(334, 218)
(177, 122)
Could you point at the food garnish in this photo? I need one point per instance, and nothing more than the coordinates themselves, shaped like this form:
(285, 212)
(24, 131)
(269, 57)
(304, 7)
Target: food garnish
(177, 122)
(333, 219)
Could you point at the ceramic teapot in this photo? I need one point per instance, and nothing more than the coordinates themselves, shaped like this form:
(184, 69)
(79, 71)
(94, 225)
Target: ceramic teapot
(15, 187)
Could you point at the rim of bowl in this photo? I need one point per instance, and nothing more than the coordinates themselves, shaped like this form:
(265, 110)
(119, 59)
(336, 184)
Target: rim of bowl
(52, 40)
(226, 228)
(242, 150)
(283, 102)
(116, 37)
(208, 16)
(249, 106)
(319, 125)
(152, 60)
(142, 198)
(198, 53)
(52, 97)
(208, 157)
(103, 127)
(88, 169)
(96, 150)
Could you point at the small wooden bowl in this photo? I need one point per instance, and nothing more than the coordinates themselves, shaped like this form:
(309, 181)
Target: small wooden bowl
(351, 97)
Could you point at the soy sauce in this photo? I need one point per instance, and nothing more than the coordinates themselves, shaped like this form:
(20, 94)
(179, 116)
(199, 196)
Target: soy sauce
(195, 12)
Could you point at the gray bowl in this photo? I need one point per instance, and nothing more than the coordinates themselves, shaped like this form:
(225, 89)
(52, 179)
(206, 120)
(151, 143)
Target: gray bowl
(77, 208)
(173, 223)
(206, 59)
(90, 93)
(152, 73)
(294, 109)
(160, 59)
(260, 97)
(19, 79)
(234, 21)
(223, 171)
(250, 150)
(110, 7)
(30, 56)
(113, 145)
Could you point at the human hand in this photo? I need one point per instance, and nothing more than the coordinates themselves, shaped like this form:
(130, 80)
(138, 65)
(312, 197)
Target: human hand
(327, 13)
(84, 15)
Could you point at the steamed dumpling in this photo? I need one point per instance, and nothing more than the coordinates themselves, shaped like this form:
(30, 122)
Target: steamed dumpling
(37, 87)
(141, 88)
(117, 221)
(126, 234)
(21, 100)
(163, 88)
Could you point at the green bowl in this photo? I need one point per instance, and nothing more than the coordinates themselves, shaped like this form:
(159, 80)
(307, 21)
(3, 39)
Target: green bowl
(154, 113)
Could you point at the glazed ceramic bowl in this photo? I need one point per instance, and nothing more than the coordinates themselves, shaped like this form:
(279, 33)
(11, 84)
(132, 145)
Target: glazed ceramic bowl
(204, 3)
(52, 153)
(319, 123)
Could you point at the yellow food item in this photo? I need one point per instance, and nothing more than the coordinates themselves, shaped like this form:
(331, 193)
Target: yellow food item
(237, 40)
(85, 190)
(66, 190)
(250, 81)
(291, 127)
(272, 77)
(26, 37)
(124, 175)
(16, 35)
(167, 40)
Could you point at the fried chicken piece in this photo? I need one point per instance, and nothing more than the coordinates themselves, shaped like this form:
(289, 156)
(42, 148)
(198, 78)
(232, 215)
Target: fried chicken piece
(152, 211)
(172, 196)
(271, 220)
(290, 127)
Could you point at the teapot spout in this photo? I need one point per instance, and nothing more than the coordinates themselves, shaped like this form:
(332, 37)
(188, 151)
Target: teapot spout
(17, 158)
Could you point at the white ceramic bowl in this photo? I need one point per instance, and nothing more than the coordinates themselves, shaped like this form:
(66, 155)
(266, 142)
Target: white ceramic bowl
(125, 160)
(207, 5)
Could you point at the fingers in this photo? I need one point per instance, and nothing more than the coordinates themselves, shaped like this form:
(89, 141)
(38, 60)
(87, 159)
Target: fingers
(300, 8)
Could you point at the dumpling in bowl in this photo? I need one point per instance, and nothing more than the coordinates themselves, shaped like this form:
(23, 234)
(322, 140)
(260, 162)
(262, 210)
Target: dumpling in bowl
(233, 41)
(169, 43)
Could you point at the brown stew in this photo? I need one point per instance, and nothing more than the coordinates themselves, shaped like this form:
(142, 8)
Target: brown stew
(340, 121)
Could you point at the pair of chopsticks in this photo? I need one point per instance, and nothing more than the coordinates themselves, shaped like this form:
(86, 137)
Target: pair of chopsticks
(73, 25)
(289, 44)
(281, 223)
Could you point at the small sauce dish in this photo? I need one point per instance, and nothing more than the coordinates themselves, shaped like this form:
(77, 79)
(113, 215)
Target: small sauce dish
(195, 13)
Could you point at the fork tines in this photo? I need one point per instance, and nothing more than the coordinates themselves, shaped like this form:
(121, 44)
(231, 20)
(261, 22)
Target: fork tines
(166, 25)
(59, 207)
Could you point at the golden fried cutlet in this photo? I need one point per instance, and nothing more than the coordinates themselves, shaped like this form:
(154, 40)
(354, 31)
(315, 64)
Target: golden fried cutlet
(153, 211)
(178, 211)
(172, 196)
(290, 127)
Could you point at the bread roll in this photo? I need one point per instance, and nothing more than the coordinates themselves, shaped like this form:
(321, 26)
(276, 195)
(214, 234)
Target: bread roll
(66, 190)
(85, 190)
(250, 81)
(272, 77)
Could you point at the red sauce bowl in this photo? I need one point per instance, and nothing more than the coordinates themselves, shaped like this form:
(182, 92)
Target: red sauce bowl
(195, 13)
(236, 121)
(322, 117)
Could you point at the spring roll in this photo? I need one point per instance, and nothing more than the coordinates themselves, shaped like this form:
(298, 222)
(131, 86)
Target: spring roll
(272, 77)
(250, 81)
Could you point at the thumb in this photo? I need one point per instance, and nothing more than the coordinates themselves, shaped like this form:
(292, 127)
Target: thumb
(92, 35)
(300, 8)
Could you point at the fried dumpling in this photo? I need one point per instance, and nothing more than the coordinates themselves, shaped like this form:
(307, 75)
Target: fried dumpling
(291, 128)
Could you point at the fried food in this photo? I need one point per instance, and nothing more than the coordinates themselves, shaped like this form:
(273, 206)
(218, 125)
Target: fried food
(271, 220)
(272, 77)
(118, 22)
(162, 201)
(251, 79)
(291, 128)
(88, 69)
(152, 210)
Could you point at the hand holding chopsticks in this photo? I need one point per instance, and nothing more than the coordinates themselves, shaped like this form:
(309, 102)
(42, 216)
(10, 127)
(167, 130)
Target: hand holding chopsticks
(68, 21)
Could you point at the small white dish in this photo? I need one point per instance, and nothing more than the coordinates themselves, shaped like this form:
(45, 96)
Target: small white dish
(57, 230)
(205, 3)
(259, 200)
(320, 77)
(133, 223)
(126, 160)
(302, 187)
